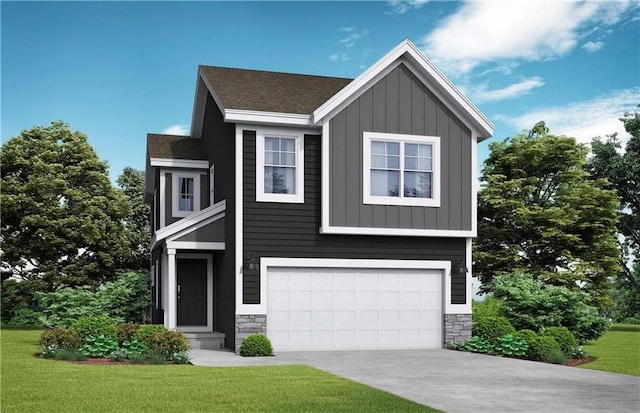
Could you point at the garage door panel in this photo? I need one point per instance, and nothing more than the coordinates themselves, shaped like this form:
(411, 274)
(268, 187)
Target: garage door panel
(325, 309)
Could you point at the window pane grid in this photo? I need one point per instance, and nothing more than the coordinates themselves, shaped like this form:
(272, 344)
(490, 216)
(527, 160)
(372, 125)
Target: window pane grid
(404, 165)
(279, 165)
(187, 194)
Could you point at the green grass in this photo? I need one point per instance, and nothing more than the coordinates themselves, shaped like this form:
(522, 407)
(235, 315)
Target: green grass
(32, 384)
(618, 351)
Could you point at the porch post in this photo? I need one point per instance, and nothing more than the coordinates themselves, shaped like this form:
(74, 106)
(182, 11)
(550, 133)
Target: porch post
(172, 307)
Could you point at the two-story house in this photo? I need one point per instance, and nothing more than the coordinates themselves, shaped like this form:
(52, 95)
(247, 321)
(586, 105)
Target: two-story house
(326, 213)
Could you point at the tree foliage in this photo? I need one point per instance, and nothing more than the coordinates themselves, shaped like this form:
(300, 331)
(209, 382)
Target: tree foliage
(61, 217)
(136, 258)
(622, 171)
(538, 212)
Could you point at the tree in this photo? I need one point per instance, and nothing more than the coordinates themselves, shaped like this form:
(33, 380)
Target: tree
(61, 217)
(539, 213)
(622, 171)
(131, 183)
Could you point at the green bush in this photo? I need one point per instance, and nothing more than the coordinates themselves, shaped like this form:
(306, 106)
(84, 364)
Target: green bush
(511, 346)
(25, 316)
(95, 326)
(61, 338)
(100, 346)
(166, 343)
(146, 330)
(530, 304)
(64, 307)
(492, 328)
(526, 335)
(558, 357)
(542, 348)
(18, 302)
(489, 307)
(256, 345)
(474, 345)
(181, 357)
(118, 355)
(134, 347)
(126, 298)
(70, 355)
(126, 331)
(50, 351)
(563, 337)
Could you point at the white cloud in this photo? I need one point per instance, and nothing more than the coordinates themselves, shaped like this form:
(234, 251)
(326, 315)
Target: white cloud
(181, 130)
(339, 57)
(352, 36)
(496, 31)
(593, 46)
(583, 120)
(481, 94)
(403, 6)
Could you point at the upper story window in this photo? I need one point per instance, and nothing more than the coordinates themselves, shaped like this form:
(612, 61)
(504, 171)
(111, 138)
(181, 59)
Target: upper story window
(401, 169)
(186, 194)
(279, 167)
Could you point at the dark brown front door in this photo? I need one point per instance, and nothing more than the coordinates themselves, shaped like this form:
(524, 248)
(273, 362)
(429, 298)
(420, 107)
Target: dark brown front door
(192, 292)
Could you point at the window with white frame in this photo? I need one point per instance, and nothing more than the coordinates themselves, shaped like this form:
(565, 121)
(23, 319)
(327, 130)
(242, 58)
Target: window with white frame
(401, 169)
(279, 167)
(186, 194)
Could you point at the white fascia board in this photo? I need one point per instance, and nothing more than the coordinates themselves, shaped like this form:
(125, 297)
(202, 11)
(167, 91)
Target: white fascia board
(270, 118)
(196, 245)
(239, 218)
(179, 163)
(169, 230)
(411, 52)
(403, 232)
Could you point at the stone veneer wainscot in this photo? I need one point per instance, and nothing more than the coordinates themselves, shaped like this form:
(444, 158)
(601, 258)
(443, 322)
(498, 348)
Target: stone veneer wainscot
(247, 325)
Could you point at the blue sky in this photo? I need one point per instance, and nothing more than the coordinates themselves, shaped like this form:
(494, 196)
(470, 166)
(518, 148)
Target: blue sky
(118, 70)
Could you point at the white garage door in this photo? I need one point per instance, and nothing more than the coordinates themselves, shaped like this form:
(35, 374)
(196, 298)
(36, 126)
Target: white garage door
(341, 309)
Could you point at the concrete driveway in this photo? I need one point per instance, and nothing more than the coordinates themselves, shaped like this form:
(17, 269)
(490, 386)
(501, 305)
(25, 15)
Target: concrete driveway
(454, 381)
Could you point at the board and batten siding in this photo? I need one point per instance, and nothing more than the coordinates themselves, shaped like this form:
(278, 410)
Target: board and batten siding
(399, 103)
(292, 230)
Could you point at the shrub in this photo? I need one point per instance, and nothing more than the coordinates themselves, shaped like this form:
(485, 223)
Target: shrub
(256, 345)
(579, 353)
(118, 355)
(70, 355)
(492, 328)
(126, 331)
(511, 346)
(542, 348)
(155, 358)
(166, 343)
(563, 337)
(135, 347)
(50, 351)
(558, 357)
(95, 326)
(146, 330)
(61, 338)
(64, 307)
(126, 298)
(489, 307)
(526, 335)
(474, 345)
(100, 346)
(138, 358)
(531, 304)
(25, 316)
(181, 357)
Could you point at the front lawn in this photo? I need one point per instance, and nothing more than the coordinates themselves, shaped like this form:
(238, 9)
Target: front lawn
(32, 384)
(618, 351)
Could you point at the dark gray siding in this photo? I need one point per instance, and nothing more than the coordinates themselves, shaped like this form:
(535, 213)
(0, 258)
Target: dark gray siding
(399, 103)
(213, 232)
(292, 230)
(218, 139)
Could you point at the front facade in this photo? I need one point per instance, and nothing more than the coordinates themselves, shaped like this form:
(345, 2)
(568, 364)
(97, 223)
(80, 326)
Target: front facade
(325, 213)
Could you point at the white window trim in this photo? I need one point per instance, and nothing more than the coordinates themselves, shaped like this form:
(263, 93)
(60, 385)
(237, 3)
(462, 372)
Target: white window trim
(261, 196)
(367, 198)
(175, 193)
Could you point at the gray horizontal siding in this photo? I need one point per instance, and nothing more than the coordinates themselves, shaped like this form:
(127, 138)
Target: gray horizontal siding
(292, 230)
(399, 103)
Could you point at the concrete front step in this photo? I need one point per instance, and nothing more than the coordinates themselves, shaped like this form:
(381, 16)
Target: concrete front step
(205, 341)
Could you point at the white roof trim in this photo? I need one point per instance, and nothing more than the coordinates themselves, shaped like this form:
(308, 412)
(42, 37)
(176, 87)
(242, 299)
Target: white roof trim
(215, 211)
(179, 163)
(428, 69)
(255, 116)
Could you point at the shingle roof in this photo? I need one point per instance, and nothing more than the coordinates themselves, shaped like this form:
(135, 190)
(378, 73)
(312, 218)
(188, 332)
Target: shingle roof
(174, 147)
(271, 91)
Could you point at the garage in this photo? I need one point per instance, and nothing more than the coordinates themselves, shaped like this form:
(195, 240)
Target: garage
(354, 308)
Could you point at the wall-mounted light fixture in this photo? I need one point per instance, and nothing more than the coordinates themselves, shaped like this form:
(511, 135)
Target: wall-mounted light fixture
(251, 263)
(458, 268)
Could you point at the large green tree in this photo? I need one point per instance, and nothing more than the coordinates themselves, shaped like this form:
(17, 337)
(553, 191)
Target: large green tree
(622, 171)
(131, 183)
(62, 219)
(540, 213)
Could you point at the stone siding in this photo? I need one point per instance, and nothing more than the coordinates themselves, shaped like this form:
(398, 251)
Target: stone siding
(457, 327)
(247, 325)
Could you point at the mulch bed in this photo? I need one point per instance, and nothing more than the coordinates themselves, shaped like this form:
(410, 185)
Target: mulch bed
(577, 362)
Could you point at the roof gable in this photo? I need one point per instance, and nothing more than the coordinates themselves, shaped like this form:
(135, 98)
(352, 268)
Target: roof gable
(407, 53)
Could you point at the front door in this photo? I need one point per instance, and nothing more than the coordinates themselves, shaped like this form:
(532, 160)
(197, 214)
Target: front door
(192, 292)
